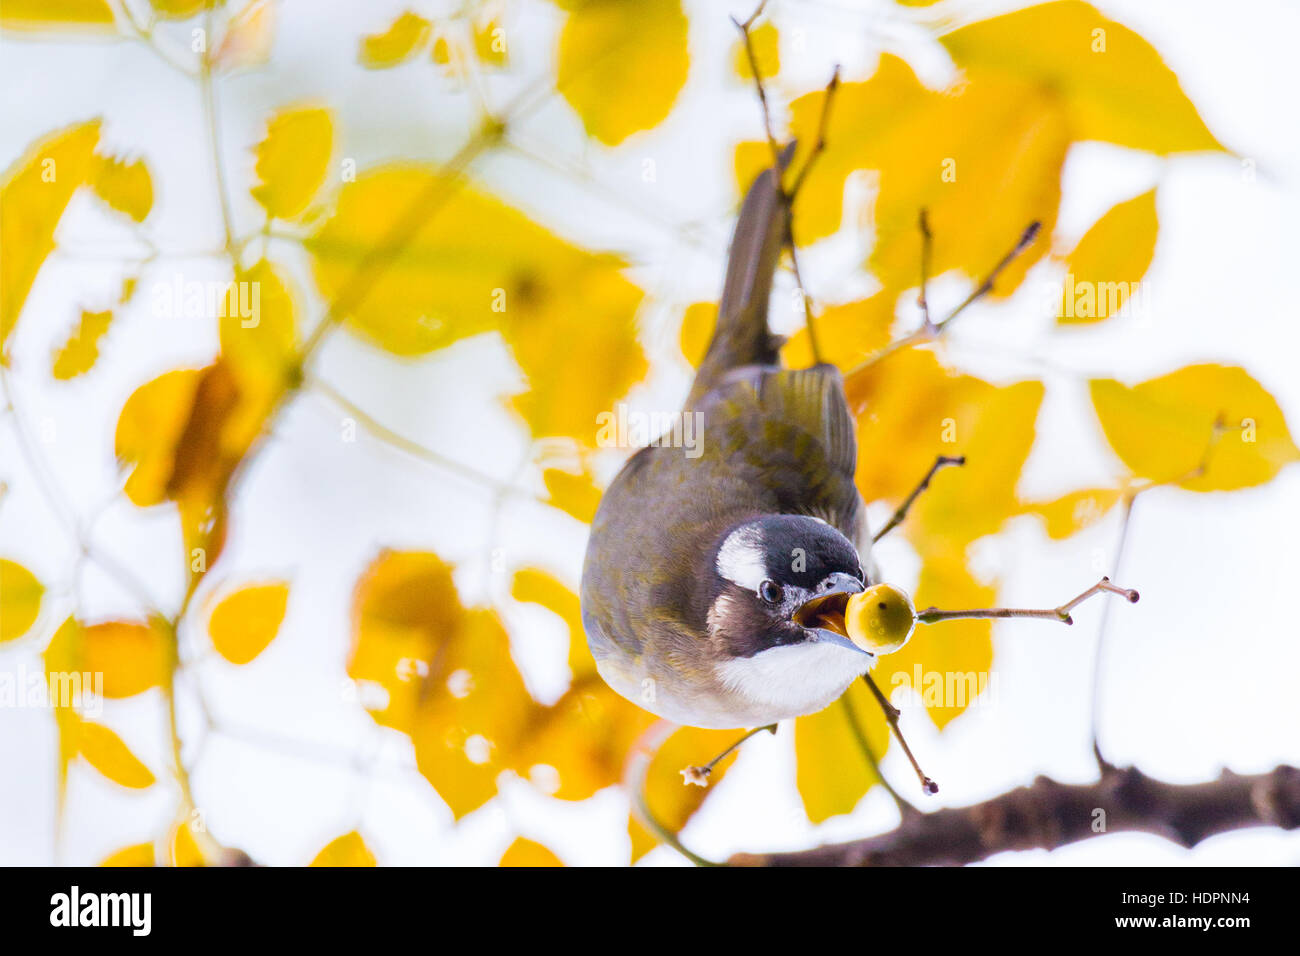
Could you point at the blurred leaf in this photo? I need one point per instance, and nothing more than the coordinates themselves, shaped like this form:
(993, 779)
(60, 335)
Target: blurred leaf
(1113, 84)
(575, 494)
(404, 36)
(1109, 261)
(535, 586)
(767, 52)
(261, 349)
(133, 656)
(846, 334)
(20, 600)
(621, 65)
(671, 800)
(182, 847)
(138, 854)
(1164, 429)
(34, 193)
(983, 159)
(1073, 512)
(348, 850)
(148, 428)
(832, 771)
(106, 752)
(292, 160)
(58, 14)
(127, 187)
(81, 350)
(177, 9)
(490, 43)
(249, 37)
(525, 852)
(452, 684)
(698, 322)
(245, 622)
(441, 52)
(952, 658)
(62, 658)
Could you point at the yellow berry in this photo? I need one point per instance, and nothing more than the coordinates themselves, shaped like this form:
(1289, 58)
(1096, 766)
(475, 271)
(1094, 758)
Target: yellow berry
(880, 619)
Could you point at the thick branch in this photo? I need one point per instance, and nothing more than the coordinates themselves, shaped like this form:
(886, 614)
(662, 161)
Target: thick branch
(1047, 814)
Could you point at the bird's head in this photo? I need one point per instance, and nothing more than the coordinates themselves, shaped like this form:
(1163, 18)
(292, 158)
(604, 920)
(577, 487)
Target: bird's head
(768, 573)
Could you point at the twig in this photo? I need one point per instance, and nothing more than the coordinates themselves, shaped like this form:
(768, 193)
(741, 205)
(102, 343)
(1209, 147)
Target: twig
(905, 807)
(634, 778)
(932, 615)
(892, 714)
(700, 775)
(897, 519)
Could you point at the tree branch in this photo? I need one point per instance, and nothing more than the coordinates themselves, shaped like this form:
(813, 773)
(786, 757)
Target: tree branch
(1048, 814)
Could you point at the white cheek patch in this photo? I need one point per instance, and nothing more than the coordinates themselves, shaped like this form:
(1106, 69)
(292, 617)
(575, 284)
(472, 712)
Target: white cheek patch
(742, 559)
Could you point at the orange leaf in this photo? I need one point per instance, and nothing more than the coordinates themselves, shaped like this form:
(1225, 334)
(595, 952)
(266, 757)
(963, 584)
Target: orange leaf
(348, 850)
(245, 622)
(524, 852)
(133, 656)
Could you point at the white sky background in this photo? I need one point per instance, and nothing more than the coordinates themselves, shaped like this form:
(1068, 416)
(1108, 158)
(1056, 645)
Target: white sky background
(1200, 675)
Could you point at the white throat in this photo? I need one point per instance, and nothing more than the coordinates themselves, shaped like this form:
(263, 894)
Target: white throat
(793, 679)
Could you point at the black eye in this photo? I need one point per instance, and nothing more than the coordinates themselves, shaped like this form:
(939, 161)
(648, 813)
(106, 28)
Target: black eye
(770, 592)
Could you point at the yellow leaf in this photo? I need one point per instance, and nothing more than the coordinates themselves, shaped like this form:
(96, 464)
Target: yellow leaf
(57, 14)
(150, 424)
(182, 847)
(106, 752)
(348, 850)
(621, 65)
(534, 586)
(452, 684)
(490, 43)
(245, 622)
(79, 353)
(767, 52)
(846, 334)
(292, 159)
(1114, 85)
(951, 660)
(525, 852)
(670, 799)
(249, 37)
(698, 322)
(474, 264)
(832, 771)
(258, 330)
(576, 494)
(20, 600)
(441, 53)
(403, 37)
(177, 9)
(138, 854)
(1165, 429)
(1073, 512)
(64, 675)
(35, 191)
(1110, 260)
(133, 656)
(127, 187)
(983, 159)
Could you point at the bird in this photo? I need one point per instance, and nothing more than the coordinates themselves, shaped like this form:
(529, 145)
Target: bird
(701, 568)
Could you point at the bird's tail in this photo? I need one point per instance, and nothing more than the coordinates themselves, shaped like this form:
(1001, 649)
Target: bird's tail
(741, 336)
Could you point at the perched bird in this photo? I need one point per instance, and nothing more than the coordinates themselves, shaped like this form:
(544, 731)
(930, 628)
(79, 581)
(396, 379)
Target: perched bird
(700, 568)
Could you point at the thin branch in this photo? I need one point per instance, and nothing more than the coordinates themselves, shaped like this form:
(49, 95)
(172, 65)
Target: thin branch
(932, 615)
(905, 807)
(941, 462)
(1048, 814)
(700, 775)
(892, 714)
(634, 780)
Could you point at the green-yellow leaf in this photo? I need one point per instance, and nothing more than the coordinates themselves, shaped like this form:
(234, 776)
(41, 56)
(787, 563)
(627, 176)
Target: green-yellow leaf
(490, 43)
(621, 65)
(766, 42)
(1114, 84)
(34, 194)
(403, 37)
(832, 770)
(292, 160)
(178, 9)
(1103, 271)
(20, 600)
(37, 15)
(348, 850)
(1203, 427)
(245, 622)
(79, 353)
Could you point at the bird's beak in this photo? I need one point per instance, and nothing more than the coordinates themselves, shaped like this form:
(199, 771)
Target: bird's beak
(824, 614)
